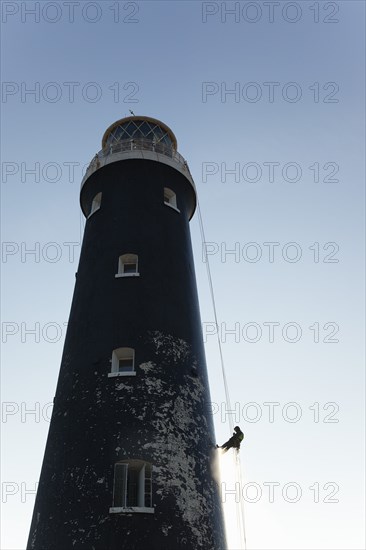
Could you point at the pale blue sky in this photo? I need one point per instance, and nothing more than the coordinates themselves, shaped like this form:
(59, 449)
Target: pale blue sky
(163, 60)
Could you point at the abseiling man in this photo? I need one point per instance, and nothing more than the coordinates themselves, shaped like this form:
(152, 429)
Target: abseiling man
(234, 441)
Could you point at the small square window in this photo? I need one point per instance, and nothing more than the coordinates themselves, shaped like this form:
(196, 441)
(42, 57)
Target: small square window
(95, 204)
(123, 362)
(128, 266)
(170, 198)
(132, 487)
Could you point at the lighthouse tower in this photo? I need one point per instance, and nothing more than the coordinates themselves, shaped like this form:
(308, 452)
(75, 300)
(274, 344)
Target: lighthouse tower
(130, 451)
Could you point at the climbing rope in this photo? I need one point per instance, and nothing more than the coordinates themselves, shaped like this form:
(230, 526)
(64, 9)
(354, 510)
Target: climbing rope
(240, 512)
(227, 396)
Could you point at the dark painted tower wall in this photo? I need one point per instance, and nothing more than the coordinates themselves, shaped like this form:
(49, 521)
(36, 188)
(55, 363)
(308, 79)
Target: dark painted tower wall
(130, 451)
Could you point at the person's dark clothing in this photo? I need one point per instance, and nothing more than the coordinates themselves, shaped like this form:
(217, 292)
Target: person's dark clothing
(234, 441)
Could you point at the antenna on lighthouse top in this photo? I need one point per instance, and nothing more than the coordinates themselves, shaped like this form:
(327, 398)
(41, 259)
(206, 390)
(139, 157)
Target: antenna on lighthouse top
(132, 113)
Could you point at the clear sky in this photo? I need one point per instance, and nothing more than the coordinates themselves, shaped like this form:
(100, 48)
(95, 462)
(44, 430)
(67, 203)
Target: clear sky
(266, 101)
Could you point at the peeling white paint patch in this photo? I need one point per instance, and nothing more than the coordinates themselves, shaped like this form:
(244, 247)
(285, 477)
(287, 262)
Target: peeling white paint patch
(100, 480)
(123, 387)
(154, 385)
(117, 449)
(146, 367)
(35, 531)
(175, 349)
(165, 529)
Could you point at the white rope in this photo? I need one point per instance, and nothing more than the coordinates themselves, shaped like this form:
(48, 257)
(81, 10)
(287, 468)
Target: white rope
(227, 396)
(240, 512)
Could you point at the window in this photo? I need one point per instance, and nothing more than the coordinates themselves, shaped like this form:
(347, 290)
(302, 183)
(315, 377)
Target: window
(123, 362)
(170, 198)
(132, 488)
(128, 266)
(140, 129)
(95, 204)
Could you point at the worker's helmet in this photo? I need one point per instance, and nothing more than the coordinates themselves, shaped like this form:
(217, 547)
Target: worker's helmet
(237, 428)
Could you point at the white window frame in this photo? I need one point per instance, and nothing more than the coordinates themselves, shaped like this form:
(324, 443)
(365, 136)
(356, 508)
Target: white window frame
(172, 199)
(144, 475)
(117, 355)
(127, 259)
(96, 203)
